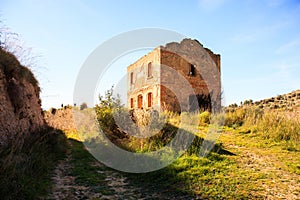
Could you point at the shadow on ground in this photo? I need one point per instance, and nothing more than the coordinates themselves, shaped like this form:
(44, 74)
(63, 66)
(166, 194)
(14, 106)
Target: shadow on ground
(168, 183)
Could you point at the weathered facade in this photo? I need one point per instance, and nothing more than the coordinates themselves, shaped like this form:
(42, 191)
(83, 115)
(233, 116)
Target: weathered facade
(174, 77)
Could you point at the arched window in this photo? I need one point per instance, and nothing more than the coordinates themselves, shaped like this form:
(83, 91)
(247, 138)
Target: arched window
(140, 101)
(149, 69)
(149, 99)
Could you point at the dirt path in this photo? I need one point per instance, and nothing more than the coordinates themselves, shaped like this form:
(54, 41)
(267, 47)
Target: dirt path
(64, 186)
(274, 181)
(118, 185)
(264, 169)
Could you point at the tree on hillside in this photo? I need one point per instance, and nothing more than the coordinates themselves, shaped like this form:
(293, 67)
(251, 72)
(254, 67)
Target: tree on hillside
(83, 106)
(109, 101)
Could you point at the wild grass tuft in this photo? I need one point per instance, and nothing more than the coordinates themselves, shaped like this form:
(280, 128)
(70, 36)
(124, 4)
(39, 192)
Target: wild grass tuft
(26, 164)
(272, 125)
(13, 69)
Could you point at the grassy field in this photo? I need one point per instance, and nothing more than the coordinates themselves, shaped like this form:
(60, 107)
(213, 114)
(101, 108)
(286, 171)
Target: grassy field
(246, 163)
(258, 169)
(257, 157)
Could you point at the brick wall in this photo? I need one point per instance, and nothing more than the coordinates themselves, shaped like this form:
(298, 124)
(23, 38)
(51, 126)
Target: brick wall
(177, 75)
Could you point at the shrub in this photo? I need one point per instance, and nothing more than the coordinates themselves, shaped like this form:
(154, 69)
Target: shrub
(235, 117)
(83, 106)
(104, 110)
(204, 118)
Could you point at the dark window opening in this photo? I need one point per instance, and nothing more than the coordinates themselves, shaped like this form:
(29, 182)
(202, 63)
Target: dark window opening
(131, 102)
(149, 99)
(131, 78)
(192, 70)
(200, 101)
(149, 69)
(140, 101)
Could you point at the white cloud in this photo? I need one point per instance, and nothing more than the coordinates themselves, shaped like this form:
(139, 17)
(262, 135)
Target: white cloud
(210, 5)
(258, 33)
(274, 3)
(289, 47)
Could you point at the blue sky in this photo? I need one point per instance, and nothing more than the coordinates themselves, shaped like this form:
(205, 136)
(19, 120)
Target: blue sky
(259, 40)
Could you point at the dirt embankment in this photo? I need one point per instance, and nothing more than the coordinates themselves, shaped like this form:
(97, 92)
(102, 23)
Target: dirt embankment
(62, 118)
(20, 104)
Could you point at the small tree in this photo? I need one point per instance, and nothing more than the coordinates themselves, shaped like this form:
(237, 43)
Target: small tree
(106, 107)
(83, 106)
(109, 101)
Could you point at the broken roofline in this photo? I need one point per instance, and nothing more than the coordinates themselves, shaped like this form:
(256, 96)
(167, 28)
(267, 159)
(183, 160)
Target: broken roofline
(165, 47)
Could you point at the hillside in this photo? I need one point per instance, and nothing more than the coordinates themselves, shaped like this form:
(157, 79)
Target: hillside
(290, 102)
(283, 102)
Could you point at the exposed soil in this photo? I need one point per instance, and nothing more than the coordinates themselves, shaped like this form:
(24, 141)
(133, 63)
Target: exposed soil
(64, 186)
(119, 186)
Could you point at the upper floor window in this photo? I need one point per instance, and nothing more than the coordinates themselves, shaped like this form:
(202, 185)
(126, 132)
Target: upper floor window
(149, 69)
(131, 78)
(192, 70)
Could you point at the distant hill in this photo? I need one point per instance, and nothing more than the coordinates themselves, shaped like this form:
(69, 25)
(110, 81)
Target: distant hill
(285, 102)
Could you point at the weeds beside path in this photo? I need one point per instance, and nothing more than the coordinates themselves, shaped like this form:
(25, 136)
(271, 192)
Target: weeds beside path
(256, 169)
(271, 170)
(80, 176)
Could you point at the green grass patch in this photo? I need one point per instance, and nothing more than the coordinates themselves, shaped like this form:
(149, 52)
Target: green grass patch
(27, 163)
(213, 177)
(86, 171)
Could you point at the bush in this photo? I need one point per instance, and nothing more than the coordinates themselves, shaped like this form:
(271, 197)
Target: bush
(204, 118)
(235, 117)
(83, 106)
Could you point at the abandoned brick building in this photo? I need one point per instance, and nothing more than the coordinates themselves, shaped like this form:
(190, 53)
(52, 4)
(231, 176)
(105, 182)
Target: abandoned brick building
(162, 78)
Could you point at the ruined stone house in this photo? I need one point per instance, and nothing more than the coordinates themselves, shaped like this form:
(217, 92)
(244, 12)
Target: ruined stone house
(177, 77)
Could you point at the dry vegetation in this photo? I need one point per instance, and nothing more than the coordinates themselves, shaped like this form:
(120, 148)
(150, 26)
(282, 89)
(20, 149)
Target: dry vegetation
(256, 156)
(27, 157)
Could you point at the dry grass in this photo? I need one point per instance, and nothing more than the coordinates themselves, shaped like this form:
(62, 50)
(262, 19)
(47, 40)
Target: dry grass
(26, 163)
(13, 69)
(269, 124)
